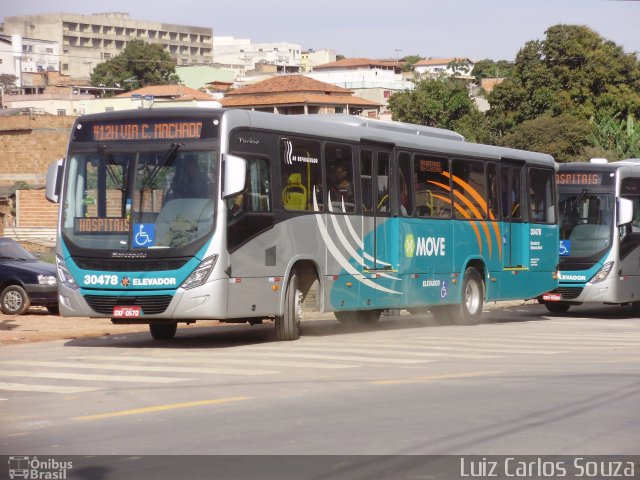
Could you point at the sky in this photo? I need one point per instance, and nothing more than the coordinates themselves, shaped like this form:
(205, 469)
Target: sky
(487, 29)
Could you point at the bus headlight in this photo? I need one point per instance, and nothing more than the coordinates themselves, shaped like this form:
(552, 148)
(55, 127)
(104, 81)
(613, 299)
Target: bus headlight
(200, 274)
(602, 273)
(63, 274)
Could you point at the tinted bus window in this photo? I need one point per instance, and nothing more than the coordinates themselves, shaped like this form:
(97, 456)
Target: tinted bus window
(432, 190)
(469, 189)
(404, 184)
(492, 191)
(541, 196)
(301, 174)
(339, 174)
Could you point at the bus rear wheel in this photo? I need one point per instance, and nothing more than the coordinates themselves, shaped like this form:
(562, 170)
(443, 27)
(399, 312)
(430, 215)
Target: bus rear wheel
(288, 324)
(163, 331)
(358, 317)
(469, 311)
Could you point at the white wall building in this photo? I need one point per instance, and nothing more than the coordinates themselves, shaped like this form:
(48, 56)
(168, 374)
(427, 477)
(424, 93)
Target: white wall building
(374, 80)
(241, 55)
(433, 67)
(19, 55)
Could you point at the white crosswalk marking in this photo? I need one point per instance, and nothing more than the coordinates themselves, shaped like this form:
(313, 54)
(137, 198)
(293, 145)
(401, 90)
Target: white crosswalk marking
(23, 387)
(90, 377)
(141, 368)
(86, 370)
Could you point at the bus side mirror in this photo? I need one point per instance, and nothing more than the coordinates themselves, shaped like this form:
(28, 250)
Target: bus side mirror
(625, 211)
(54, 180)
(235, 171)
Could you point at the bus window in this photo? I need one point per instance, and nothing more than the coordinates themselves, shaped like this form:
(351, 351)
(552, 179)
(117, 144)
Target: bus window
(492, 193)
(382, 195)
(516, 194)
(366, 177)
(339, 174)
(301, 179)
(469, 189)
(541, 196)
(432, 191)
(404, 184)
(245, 217)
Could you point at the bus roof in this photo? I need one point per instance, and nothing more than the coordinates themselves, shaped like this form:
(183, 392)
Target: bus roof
(346, 127)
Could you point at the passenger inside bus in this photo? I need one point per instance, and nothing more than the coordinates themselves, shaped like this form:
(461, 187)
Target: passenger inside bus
(341, 188)
(189, 181)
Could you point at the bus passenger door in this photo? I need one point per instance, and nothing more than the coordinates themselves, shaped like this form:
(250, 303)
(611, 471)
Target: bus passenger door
(378, 235)
(514, 231)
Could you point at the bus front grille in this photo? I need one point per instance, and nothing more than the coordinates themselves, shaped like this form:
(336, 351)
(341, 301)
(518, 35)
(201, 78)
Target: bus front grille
(568, 293)
(150, 305)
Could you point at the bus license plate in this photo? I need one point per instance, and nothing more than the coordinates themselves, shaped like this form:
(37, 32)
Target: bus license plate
(552, 297)
(127, 312)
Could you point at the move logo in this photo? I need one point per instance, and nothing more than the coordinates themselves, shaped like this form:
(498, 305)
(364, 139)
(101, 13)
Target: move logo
(424, 246)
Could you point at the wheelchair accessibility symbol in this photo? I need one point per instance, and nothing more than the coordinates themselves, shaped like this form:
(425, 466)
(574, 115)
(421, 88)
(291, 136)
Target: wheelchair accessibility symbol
(144, 235)
(443, 290)
(565, 248)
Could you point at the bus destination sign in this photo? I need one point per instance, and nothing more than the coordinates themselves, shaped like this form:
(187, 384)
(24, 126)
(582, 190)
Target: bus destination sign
(579, 178)
(145, 130)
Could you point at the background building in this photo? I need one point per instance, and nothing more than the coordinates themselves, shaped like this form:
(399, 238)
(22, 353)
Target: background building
(88, 40)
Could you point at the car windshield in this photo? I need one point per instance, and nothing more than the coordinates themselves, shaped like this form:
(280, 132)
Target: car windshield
(586, 226)
(14, 251)
(139, 199)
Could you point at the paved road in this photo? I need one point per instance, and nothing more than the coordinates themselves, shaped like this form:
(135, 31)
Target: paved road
(523, 382)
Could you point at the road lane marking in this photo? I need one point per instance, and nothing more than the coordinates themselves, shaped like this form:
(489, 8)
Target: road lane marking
(88, 377)
(160, 408)
(260, 362)
(141, 368)
(383, 350)
(435, 378)
(22, 387)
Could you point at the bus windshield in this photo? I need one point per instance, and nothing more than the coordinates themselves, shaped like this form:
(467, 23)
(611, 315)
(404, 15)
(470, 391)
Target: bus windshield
(134, 199)
(586, 226)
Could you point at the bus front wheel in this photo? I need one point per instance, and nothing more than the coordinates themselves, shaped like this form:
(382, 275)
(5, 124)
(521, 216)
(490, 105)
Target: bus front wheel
(163, 331)
(288, 324)
(469, 311)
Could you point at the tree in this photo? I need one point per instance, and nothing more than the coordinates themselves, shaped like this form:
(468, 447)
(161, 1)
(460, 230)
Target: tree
(564, 137)
(490, 69)
(572, 71)
(138, 65)
(618, 138)
(433, 102)
(7, 83)
(409, 62)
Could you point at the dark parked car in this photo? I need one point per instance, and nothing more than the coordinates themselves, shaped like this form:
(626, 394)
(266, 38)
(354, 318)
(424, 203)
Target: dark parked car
(25, 280)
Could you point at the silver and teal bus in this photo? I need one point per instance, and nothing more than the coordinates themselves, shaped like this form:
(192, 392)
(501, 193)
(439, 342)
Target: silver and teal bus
(176, 215)
(599, 248)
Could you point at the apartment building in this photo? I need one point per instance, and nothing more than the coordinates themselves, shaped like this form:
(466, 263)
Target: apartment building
(242, 56)
(88, 40)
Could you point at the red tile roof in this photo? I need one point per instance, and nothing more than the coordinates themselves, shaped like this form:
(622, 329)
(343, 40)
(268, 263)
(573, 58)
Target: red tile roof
(292, 90)
(356, 62)
(177, 92)
(288, 83)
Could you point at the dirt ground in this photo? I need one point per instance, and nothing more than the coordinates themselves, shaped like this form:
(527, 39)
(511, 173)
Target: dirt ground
(38, 325)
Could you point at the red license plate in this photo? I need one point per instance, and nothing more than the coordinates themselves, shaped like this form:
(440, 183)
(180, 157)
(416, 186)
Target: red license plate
(552, 297)
(126, 312)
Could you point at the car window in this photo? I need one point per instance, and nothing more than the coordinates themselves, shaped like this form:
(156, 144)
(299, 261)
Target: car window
(12, 250)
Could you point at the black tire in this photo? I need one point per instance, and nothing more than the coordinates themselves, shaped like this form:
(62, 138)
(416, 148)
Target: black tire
(54, 310)
(635, 308)
(163, 331)
(288, 325)
(358, 317)
(557, 307)
(14, 300)
(469, 311)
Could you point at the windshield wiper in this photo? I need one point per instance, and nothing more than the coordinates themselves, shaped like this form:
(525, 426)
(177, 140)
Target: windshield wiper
(107, 159)
(167, 160)
(147, 182)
